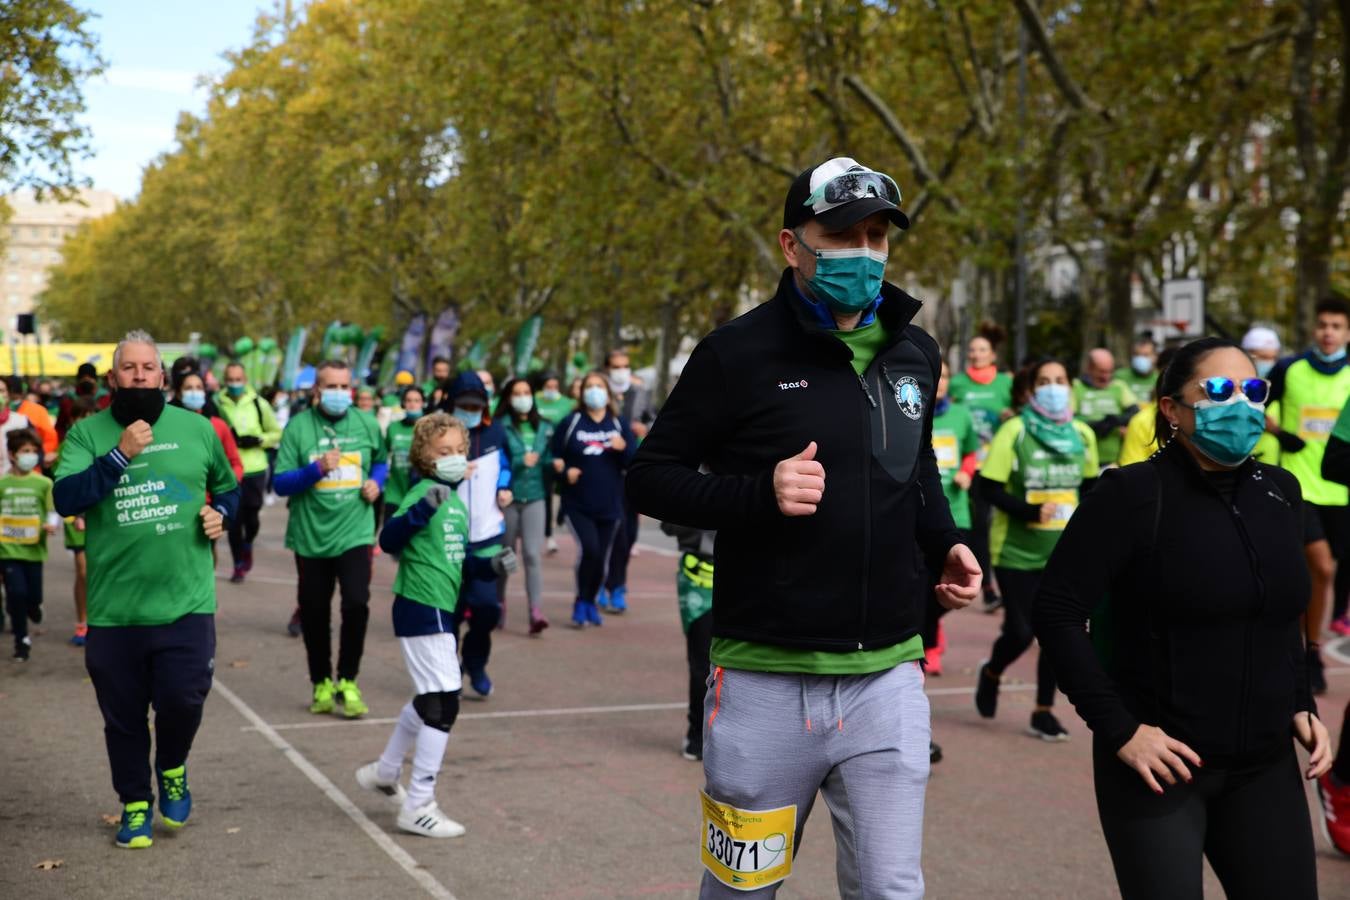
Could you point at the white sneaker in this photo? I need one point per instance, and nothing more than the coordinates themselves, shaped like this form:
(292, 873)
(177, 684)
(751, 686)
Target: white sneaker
(270, 500)
(551, 545)
(429, 821)
(368, 776)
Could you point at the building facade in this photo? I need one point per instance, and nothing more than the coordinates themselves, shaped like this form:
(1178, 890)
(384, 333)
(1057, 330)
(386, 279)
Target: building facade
(32, 245)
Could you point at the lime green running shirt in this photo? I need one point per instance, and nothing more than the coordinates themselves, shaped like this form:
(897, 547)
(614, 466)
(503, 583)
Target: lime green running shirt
(1310, 407)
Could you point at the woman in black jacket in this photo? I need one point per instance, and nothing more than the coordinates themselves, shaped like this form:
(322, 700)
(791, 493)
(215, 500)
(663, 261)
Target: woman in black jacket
(1193, 678)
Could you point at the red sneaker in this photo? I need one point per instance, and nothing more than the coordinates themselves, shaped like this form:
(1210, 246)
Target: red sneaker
(537, 625)
(1341, 626)
(1335, 799)
(932, 661)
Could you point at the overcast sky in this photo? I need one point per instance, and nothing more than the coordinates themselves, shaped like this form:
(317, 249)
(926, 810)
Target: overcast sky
(156, 51)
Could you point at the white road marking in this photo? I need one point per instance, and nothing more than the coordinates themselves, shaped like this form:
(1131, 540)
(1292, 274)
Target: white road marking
(382, 840)
(1335, 648)
(504, 714)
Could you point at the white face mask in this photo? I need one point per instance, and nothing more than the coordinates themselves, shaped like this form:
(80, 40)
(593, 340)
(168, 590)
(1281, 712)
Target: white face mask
(26, 462)
(522, 403)
(452, 468)
(621, 379)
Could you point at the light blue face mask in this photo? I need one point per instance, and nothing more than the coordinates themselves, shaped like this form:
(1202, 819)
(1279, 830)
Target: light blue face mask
(1227, 432)
(849, 280)
(194, 400)
(1264, 366)
(595, 397)
(471, 418)
(335, 401)
(1142, 365)
(452, 469)
(412, 415)
(1329, 357)
(1053, 398)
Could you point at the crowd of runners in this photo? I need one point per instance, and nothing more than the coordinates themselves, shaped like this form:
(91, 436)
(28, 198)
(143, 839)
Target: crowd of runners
(1169, 530)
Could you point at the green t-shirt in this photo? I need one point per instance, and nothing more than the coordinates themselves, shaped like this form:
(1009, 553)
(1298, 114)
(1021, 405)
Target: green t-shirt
(527, 482)
(397, 443)
(554, 411)
(1310, 407)
(1038, 475)
(986, 402)
(25, 501)
(865, 342)
(330, 518)
(149, 559)
(1140, 385)
(431, 566)
(1092, 404)
(954, 438)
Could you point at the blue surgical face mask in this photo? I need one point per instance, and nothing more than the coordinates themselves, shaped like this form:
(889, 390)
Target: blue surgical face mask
(1227, 432)
(1053, 398)
(335, 401)
(412, 415)
(194, 400)
(471, 418)
(451, 469)
(849, 280)
(1142, 365)
(595, 397)
(549, 395)
(1264, 366)
(1329, 357)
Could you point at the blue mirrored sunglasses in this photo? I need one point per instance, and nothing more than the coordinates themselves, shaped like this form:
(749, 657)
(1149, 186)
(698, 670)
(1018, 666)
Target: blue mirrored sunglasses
(1220, 389)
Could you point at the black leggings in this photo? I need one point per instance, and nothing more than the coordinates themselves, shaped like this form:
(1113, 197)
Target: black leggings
(1251, 824)
(594, 538)
(698, 651)
(1335, 521)
(1019, 593)
(244, 526)
(979, 534)
(351, 573)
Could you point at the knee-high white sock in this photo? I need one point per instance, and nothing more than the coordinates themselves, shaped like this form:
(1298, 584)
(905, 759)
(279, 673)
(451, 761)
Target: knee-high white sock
(400, 742)
(427, 760)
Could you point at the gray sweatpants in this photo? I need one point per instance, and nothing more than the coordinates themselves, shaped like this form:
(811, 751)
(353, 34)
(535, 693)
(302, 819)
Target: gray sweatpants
(772, 740)
(525, 521)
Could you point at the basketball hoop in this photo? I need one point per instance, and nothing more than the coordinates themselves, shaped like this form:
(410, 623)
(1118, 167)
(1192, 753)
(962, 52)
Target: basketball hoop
(1164, 330)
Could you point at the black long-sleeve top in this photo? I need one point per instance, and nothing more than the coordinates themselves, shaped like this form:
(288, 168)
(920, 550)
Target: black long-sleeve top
(1195, 582)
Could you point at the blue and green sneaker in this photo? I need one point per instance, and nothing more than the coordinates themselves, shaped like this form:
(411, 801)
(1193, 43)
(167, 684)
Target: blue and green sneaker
(175, 800)
(135, 832)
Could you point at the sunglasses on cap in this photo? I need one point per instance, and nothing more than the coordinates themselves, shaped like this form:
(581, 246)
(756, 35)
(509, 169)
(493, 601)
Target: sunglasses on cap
(1221, 390)
(855, 186)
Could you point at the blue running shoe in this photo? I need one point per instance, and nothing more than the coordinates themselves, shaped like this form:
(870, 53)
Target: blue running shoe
(481, 683)
(618, 600)
(593, 615)
(602, 599)
(175, 800)
(579, 614)
(135, 831)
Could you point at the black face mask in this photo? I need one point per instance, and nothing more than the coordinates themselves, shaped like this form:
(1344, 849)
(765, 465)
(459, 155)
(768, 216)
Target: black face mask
(130, 404)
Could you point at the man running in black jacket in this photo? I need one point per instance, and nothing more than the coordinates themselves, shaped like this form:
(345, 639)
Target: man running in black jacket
(813, 414)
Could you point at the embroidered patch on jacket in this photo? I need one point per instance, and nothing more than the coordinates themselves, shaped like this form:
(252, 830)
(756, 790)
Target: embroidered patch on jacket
(909, 398)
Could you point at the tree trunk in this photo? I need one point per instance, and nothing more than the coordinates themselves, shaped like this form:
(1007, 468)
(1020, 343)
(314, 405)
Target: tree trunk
(667, 341)
(1119, 298)
(1312, 275)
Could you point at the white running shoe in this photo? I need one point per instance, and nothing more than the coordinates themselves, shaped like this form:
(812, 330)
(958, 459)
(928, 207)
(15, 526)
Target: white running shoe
(429, 821)
(552, 546)
(368, 776)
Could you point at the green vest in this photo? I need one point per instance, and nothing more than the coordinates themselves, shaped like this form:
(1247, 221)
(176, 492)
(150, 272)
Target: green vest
(1092, 404)
(954, 437)
(1309, 408)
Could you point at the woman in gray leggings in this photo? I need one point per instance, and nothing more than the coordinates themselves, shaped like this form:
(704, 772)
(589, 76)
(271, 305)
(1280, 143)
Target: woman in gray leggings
(527, 439)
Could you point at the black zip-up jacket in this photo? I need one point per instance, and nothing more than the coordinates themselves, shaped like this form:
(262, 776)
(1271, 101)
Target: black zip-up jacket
(755, 392)
(1200, 629)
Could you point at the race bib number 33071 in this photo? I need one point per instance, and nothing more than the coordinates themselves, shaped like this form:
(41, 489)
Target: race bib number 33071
(747, 849)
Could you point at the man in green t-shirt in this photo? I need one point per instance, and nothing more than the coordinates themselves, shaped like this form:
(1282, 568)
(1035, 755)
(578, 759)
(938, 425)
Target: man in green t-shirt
(332, 464)
(813, 416)
(139, 473)
(1141, 374)
(1104, 403)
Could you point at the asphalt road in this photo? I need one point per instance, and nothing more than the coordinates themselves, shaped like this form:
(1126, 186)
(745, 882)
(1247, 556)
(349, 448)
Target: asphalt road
(568, 779)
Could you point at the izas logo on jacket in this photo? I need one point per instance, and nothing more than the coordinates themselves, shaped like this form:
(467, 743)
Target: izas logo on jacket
(909, 398)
